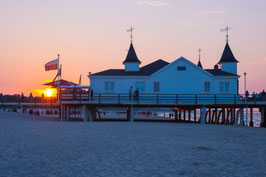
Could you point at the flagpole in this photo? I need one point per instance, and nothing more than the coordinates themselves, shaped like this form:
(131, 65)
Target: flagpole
(58, 89)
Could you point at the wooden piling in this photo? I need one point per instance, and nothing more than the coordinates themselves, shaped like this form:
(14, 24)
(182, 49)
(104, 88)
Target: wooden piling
(203, 115)
(175, 114)
(189, 115)
(263, 117)
(184, 114)
(223, 116)
(251, 118)
(195, 115)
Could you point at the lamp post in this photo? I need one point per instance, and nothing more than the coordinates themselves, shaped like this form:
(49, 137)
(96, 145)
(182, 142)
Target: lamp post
(245, 86)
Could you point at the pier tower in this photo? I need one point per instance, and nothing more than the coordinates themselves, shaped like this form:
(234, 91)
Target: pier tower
(228, 63)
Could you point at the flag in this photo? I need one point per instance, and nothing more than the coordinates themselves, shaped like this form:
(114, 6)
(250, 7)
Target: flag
(80, 80)
(52, 65)
(58, 73)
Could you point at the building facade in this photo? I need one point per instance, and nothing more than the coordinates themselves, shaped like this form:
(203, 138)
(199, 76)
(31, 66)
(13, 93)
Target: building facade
(160, 77)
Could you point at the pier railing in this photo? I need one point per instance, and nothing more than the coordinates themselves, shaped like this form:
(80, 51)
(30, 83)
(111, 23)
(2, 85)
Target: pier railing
(142, 99)
(161, 99)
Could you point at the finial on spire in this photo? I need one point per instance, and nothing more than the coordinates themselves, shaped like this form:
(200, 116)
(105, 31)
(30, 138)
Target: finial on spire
(199, 50)
(226, 29)
(131, 36)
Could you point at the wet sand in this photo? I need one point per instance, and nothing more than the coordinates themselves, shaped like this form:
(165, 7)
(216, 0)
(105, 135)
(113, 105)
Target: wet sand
(30, 147)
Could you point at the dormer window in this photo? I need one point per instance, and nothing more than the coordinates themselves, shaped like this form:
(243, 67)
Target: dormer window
(181, 68)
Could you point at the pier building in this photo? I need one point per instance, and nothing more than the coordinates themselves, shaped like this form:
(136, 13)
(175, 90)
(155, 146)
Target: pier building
(161, 77)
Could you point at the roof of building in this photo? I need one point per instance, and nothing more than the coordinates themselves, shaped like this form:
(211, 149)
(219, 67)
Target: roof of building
(219, 72)
(227, 55)
(199, 64)
(146, 70)
(131, 55)
(151, 68)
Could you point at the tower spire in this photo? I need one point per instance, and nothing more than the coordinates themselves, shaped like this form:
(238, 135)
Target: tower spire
(199, 63)
(226, 29)
(199, 50)
(131, 35)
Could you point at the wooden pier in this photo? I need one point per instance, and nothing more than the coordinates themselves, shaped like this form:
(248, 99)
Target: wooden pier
(212, 109)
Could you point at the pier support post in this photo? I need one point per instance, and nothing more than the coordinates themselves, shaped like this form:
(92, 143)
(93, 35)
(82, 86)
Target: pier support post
(210, 115)
(234, 116)
(189, 115)
(212, 118)
(175, 114)
(89, 109)
(195, 115)
(179, 114)
(85, 113)
(62, 113)
(223, 116)
(67, 113)
(128, 113)
(263, 117)
(202, 115)
(21, 109)
(251, 117)
(184, 114)
(131, 118)
(215, 115)
(241, 110)
(237, 117)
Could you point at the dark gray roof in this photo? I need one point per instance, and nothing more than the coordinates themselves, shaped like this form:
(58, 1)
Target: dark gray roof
(199, 64)
(228, 55)
(219, 72)
(146, 70)
(131, 55)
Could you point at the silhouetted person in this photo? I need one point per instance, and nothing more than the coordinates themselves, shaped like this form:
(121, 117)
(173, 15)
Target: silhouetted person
(31, 97)
(91, 94)
(253, 95)
(22, 97)
(130, 93)
(42, 97)
(137, 94)
(247, 93)
(263, 93)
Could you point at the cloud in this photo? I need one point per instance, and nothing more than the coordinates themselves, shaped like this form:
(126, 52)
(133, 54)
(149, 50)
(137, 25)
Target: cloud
(210, 12)
(152, 3)
(190, 25)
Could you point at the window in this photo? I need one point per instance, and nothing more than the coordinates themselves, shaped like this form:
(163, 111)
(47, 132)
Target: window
(181, 68)
(109, 86)
(140, 86)
(224, 87)
(207, 87)
(156, 86)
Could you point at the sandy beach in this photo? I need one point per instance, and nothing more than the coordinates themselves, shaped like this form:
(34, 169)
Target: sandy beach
(30, 147)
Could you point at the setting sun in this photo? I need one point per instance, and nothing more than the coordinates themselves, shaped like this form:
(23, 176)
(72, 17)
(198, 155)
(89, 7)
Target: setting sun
(49, 92)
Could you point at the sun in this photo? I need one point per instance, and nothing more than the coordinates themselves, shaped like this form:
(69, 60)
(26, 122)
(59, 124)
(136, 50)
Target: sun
(48, 92)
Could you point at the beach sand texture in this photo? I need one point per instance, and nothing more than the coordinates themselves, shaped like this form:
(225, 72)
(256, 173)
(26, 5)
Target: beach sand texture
(29, 147)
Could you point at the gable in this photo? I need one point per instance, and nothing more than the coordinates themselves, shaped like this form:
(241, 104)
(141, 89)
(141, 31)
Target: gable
(179, 62)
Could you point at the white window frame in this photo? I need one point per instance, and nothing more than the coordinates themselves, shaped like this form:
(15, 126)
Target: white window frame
(204, 88)
(154, 87)
(224, 91)
(109, 91)
(144, 86)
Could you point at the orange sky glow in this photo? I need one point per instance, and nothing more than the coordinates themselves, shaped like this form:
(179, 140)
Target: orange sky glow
(91, 36)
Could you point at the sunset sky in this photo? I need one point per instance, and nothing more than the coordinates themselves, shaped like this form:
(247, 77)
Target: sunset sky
(90, 36)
